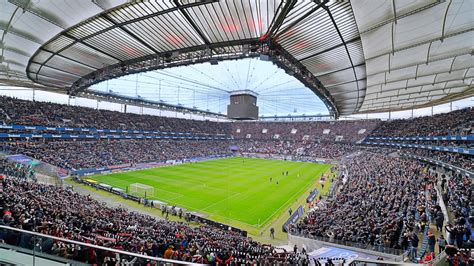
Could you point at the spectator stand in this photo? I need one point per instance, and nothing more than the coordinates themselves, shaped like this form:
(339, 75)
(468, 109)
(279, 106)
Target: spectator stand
(97, 136)
(426, 138)
(453, 149)
(57, 130)
(439, 163)
(115, 256)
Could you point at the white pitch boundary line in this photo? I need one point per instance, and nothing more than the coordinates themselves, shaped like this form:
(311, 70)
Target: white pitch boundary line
(222, 200)
(258, 226)
(285, 204)
(180, 196)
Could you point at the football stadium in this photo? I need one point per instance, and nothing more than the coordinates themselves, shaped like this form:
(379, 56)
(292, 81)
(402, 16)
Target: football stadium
(243, 132)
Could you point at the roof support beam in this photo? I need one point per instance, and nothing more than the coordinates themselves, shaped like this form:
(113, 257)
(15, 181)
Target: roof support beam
(58, 69)
(191, 22)
(414, 86)
(71, 59)
(428, 54)
(389, 57)
(376, 26)
(397, 102)
(419, 97)
(343, 83)
(465, 74)
(13, 62)
(60, 50)
(351, 100)
(331, 48)
(81, 40)
(54, 78)
(427, 75)
(444, 20)
(394, 12)
(322, 4)
(131, 34)
(44, 14)
(278, 21)
(342, 93)
(100, 4)
(339, 70)
(413, 103)
(88, 45)
(8, 28)
(422, 43)
(393, 38)
(417, 63)
(452, 64)
(151, 15)
(421, 89)
(347, 51)
(14, 50)
(446, 84)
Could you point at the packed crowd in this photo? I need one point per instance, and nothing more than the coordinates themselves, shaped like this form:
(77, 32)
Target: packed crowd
(297, 148)
(460, 160)
(323, 131)
(98, 153)
(63, 213)
(459, 122)
(21, 112)
(382, 197)
(80, 154)
(444, 143)
(95, 154)
(458, 194)
(15, 170)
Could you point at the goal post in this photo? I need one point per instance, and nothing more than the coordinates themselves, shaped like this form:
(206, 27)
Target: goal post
(141, 190)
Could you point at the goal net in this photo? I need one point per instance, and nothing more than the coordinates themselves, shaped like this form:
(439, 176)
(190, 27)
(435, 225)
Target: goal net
(141, 190)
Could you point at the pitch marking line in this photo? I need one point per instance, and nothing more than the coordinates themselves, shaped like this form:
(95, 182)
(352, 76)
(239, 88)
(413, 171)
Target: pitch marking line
(222, 200)
(180, 196)
(286, 203)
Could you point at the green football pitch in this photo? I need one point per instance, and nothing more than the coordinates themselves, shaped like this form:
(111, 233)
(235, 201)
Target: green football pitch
(232, 190)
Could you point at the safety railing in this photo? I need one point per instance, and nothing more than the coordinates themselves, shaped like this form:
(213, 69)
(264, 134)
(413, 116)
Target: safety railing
(19, 246)
(369, 262)
(380, 248)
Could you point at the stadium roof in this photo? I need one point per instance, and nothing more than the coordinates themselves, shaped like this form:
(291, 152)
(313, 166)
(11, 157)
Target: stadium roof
(363, 56)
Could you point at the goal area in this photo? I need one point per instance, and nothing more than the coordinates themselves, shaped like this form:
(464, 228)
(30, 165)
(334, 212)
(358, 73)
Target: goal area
(141, 190)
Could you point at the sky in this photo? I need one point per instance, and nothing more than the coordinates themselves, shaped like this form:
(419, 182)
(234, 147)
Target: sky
(208, 87)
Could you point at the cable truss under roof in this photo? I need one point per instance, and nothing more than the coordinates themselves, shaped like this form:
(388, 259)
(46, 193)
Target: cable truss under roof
(359, 56)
